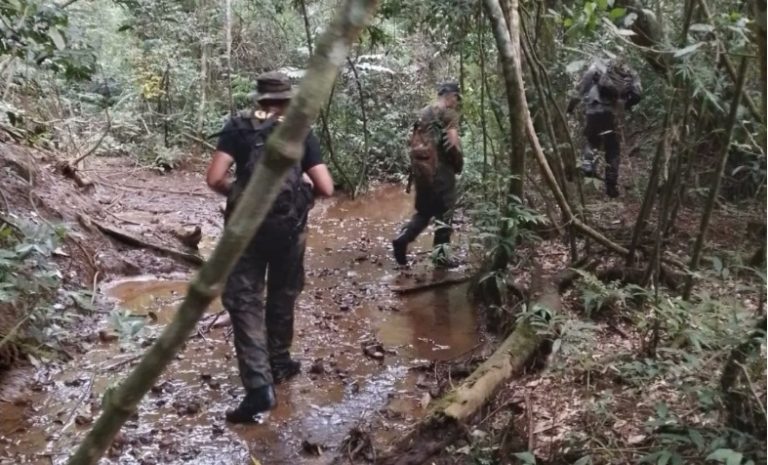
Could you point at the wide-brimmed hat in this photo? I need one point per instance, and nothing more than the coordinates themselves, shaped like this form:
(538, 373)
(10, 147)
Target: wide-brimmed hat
(273, 85)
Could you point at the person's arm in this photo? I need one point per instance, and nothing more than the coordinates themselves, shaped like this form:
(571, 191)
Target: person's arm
(454, 148)
(453, 140)
(314, 168)
(322, 181)
(588, 80)
(217, 176)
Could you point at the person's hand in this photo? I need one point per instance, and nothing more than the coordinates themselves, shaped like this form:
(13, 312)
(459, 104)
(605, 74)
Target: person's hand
(308, 180)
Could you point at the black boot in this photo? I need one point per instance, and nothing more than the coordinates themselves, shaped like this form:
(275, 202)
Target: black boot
(611, 190)
(253, 408)
(284, 369)
(400, 249)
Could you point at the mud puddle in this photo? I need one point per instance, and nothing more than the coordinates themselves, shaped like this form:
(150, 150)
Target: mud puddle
(346, 305)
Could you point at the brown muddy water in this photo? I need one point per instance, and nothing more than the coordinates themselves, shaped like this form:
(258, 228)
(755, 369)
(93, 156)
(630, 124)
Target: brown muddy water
(346, 304)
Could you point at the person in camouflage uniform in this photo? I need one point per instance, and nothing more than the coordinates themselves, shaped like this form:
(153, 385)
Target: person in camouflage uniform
(606, 90)
(263, 332)
(436, 197)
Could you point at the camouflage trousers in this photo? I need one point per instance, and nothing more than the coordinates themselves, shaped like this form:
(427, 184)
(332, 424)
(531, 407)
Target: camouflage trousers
(602, 132)
(437, 203)
(264, 332)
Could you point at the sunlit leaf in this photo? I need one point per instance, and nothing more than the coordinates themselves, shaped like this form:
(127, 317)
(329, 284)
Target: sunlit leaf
(57, 38)
(681, 52)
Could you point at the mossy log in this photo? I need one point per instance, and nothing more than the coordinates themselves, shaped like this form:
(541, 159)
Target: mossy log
(444, 422)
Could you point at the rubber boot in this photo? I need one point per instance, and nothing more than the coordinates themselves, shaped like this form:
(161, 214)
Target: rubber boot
(400, 249)
(254, 407)
(284, 369)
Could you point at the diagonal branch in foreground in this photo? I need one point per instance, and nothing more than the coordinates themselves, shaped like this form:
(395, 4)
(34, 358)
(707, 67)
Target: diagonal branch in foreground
(284, 149)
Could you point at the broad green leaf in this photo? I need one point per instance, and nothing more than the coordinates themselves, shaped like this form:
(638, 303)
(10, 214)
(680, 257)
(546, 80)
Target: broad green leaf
(698, 27)
(57, 38)
(617, 13)
(586, 460)
(526, 457)
(727, 456)
(681, 52)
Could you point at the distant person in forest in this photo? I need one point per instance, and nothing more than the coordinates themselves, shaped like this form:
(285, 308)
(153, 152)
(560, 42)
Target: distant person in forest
(606, 90)
(264, 332)
(436, 159)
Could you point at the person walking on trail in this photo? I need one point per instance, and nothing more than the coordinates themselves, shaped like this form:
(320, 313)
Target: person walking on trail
(436, 159)
(263, 332)
(606, 90)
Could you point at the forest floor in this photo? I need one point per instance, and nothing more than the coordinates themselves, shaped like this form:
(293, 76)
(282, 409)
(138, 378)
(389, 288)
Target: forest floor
(372, 359)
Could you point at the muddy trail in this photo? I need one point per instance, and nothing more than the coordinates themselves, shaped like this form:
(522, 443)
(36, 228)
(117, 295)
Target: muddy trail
(357, 339)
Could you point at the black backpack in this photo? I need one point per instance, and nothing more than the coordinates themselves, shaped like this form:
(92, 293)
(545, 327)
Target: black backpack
(289, 212)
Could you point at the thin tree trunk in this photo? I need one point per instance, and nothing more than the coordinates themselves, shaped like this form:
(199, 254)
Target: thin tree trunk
(509, 54)
(759, 10)
(203, 82)
(715, 189)
(228, 33)
(483, 121)
(652, 188)
(686, 163)
(284, 150)
(366, 143)
(326, 131)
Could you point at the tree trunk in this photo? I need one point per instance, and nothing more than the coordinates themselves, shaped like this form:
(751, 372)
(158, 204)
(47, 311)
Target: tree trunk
(509, 54)
(715, 189)
(284, 149)
(483, 122)
(228, 34)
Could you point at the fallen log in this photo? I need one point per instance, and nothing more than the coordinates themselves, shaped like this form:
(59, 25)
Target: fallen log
(133, 240)
(440, 282)
(445, 421)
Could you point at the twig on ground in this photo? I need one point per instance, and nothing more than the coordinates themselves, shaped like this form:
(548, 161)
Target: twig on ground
(85, 395)
(123, 362)
(95, 283)
(529, 415)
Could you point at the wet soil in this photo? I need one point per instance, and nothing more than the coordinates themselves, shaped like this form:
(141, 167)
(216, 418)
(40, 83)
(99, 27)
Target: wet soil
(357, 340)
